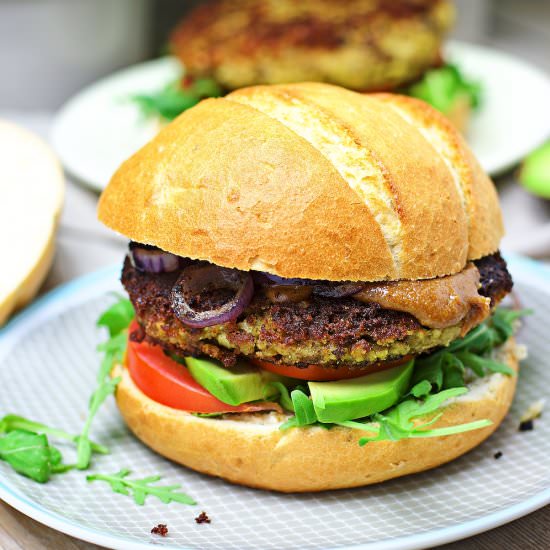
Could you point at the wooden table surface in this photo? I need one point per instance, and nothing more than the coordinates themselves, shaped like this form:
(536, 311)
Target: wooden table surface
(83, 245)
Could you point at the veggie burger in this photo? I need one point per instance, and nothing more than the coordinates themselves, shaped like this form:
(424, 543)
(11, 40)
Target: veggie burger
(315, 276)
(363, 45)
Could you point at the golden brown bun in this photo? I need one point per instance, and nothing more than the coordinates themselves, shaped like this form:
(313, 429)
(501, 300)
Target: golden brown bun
(310, 180)
(359, 44)
(253, 451)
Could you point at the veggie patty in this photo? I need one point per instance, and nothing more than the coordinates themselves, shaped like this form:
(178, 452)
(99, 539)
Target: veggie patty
(324, 331)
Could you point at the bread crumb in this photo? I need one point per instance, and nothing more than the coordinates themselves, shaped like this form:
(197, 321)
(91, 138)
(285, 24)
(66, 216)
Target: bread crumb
(202, 518)
(160, 529)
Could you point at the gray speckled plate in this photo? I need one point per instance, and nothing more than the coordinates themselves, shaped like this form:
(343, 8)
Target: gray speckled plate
(47, 369)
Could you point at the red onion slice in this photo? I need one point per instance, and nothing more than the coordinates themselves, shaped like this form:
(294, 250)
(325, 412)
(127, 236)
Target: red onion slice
(153, 260)
(196, 282)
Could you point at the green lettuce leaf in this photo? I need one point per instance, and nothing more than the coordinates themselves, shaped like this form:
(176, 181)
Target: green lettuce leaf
(442, 87)
(171, 101)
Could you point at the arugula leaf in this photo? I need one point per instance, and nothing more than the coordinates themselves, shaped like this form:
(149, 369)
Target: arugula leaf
(445, 368)
(441, 88)
(113, 350)
(116, 319)
(453, 371)
(503, 321)
(284, 397)
(402, 414)
(366, 426)
(290, 423)
(12, 422)
(397, 423)
(437, 378)
(31, 455)
(303, 408)
(482, 365)
(428, 369)
(480, 340)
(84, 448)
(171, 101)
(301, 405)
(141, 488)
(390, 432)
(421, 389)
(441, 369)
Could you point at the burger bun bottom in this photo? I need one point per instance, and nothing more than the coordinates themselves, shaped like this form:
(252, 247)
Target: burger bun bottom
(249, 449)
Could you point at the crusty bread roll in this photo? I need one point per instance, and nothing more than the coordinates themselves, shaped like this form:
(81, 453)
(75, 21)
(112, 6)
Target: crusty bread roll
(310, 180)
(251, 450)
(31, 191)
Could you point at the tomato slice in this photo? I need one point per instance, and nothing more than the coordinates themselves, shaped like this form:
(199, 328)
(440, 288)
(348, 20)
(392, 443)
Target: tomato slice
(318, 373)
(167, 382)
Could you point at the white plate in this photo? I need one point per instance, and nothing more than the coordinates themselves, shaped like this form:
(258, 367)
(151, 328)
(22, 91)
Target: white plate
(514, 117)
(99, 128)
(47, 367)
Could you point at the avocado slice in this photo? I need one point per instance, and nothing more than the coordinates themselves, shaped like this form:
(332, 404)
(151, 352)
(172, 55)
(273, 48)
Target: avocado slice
(240, 384)
(359, 397)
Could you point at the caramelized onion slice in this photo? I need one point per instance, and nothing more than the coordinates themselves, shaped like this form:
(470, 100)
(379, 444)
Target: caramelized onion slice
(198, 283)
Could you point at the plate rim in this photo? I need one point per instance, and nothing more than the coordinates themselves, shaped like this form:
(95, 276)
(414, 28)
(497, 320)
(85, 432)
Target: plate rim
(453, 46)
(166, 62)
(55, 301)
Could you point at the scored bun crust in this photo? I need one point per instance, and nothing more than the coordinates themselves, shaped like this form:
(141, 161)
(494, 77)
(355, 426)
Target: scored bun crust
(256, 453)
(310, 180)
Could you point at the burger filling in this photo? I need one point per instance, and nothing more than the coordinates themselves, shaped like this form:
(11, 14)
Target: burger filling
(302, 325)
(373, 356)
